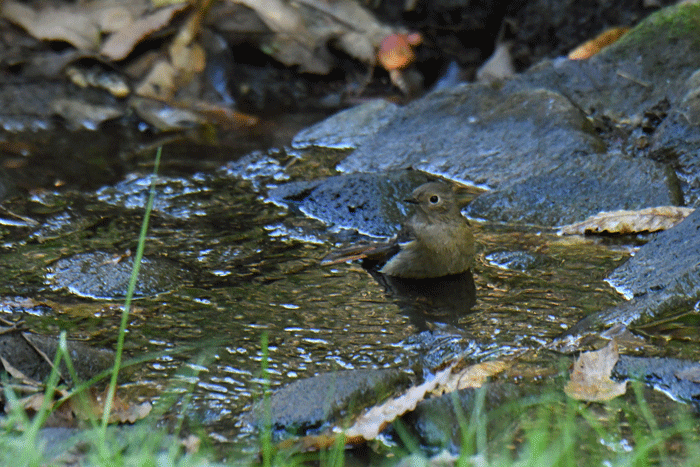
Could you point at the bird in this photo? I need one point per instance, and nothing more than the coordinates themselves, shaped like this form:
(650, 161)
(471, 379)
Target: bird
(437, 241)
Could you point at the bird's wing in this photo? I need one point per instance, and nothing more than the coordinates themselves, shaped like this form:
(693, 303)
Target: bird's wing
(378, 252)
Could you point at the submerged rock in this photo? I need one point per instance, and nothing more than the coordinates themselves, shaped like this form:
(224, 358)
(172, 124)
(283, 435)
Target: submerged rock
(102, 275)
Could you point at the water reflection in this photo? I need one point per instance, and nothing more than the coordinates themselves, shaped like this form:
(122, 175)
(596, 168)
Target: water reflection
(436, 300)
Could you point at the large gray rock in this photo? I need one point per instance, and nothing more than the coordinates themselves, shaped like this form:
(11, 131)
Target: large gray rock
(534, 148)
(677, 139)
(477, 134)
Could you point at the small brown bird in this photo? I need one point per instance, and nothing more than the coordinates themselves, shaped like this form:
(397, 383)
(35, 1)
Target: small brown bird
(436, 241)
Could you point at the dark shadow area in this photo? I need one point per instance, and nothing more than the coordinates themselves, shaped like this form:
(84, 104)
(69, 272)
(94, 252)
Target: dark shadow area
(429, 301)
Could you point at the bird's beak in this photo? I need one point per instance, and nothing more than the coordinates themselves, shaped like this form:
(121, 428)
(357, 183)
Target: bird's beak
(411, 201)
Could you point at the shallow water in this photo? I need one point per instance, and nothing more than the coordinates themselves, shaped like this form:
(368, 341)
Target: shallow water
(251, 267)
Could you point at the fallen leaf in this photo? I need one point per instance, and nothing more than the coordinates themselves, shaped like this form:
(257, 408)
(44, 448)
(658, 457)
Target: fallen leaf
(627, 222)
(590, 380)
(302, 29)
(473, 376)
(14, 372)
(98, 77)
(80, 114)
(598, 43)
(371, 423)
(75, 26)
(224, 117)
(92, 405)
(191, 444)
(186, 55)
(159, 83)
(120, 44)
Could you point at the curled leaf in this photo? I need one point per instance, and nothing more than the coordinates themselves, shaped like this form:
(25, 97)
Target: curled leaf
(628, 222)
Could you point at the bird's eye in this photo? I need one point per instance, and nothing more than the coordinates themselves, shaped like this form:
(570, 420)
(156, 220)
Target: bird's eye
(434, 199)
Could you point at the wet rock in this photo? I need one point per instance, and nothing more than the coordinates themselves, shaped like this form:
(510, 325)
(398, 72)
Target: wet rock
(369, 203)
(477, 134)
(576, 188)
(677, 140)
(103, 275)
(679, 379)
(533, 147)
(23, 351)
(309, 403)
(347, 129)
(662, 277)
(436, 423)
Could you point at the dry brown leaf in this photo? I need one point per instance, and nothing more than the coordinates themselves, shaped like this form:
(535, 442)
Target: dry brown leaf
(59, 416)
(112, 19)
(590, 379)
(598, 43)
(473, 376)
(75, 26)
(371, 423)
(120, 44)
(92, 406)
(303, 28)
(159, 83)
(627, 222)
(191, 444)
(187, 56)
